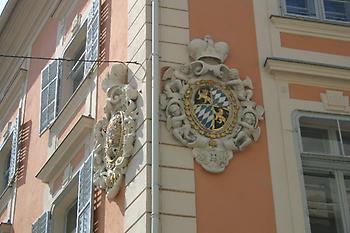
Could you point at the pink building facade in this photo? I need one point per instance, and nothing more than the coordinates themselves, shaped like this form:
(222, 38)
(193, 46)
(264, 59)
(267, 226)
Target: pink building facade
(175, 116)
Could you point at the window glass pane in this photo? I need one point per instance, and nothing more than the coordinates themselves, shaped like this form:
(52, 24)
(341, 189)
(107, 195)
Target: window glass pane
(7, 170)
(71, 219)
(52, 91)
(320, 136)
(44, 98)
(44, 78)
(345, 135)
(337, 10)
(301, 7)
(51, 112)
(43, 119)
(52, 70)
(323, 203)
(347, 187)
(315, 140)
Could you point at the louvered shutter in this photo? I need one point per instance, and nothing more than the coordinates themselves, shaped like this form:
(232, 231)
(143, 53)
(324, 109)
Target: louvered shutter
(14, 149)
(92, 36)
(42, 224)
(85, 198)
(49, 93)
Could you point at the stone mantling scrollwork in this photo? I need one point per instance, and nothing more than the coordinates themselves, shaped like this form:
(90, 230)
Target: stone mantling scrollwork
(208, 107)
(115, 133)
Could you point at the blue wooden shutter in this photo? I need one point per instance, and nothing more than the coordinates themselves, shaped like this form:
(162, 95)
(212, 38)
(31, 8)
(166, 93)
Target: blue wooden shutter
(92, 36)
(49, 93)
(85, 198)
(42, 224)
(14, 149)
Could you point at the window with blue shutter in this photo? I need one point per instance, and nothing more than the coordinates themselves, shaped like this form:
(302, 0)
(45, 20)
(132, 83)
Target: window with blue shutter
(42, 224)
(49, 91)
(92, 36)
(85, 198)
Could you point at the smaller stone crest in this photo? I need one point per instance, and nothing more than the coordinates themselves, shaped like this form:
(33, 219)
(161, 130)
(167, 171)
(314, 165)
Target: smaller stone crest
(208, 107)
(115, 133)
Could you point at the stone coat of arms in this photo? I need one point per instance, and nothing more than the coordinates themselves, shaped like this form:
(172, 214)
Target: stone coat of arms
(115, 132)
(208, 107)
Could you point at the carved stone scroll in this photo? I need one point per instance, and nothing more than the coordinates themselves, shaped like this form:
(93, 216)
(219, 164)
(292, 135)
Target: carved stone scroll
(115, 132)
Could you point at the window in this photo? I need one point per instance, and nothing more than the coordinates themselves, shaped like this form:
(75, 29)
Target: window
(59, 80)
(8, 157)
(332, 10)
(324, 142)
(5, 167)
(70, 218)
(72, 208)
(72, 71)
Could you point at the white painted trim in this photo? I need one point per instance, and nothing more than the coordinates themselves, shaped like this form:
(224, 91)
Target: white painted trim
(276, 65)
(311, 28)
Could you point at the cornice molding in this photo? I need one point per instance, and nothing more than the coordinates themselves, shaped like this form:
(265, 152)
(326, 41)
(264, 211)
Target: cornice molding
(13, 92)
(311, 27)
(61, 155)
(29, 16)
(281, 65)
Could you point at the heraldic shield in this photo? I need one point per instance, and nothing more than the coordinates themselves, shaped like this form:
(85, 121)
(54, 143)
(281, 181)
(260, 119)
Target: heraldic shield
(208, 107)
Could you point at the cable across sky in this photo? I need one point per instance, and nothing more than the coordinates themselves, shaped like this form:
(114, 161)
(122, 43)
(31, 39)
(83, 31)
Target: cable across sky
(68, 59)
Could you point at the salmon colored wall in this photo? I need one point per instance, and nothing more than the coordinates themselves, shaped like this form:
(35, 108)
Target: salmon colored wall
(57, 184)
(71, 122)
(77, 7)
(109, 215)
(30, 207)
(75, 162)
(78, 157)
(239, 199)
(311, 93)
(315, 44)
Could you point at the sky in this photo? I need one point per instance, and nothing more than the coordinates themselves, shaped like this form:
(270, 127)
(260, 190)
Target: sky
(2, 5)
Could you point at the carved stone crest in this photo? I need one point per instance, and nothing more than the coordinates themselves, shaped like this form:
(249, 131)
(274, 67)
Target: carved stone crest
(208, 107)
(115, 133)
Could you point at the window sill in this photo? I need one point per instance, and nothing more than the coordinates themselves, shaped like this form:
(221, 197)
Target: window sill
(312, 27)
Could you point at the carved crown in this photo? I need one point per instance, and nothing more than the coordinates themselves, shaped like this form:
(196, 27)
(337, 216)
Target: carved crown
(202, 48)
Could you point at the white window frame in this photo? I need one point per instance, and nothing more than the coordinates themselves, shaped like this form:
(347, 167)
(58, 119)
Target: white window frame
(337, 164)
(320, 13)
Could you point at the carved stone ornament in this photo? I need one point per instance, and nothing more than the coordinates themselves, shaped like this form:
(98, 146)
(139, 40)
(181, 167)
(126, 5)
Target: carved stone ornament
(115, 133)
(208, 107)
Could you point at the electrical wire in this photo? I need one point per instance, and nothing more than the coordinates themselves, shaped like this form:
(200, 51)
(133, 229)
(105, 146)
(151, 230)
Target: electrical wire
(68, 59)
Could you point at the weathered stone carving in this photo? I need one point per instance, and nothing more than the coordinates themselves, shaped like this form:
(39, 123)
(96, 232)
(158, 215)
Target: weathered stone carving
(208, 107)
(115, 133)
(335, 101)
